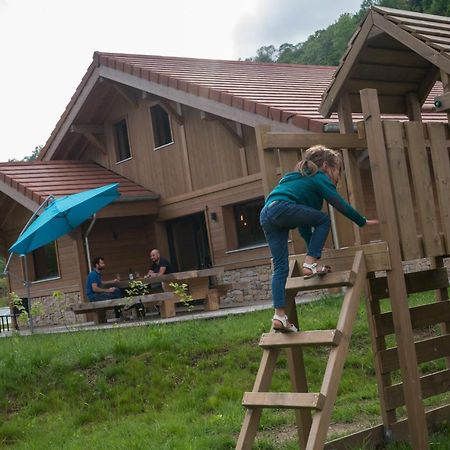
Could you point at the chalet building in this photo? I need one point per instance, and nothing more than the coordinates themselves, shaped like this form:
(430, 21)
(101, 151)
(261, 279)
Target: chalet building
(180, 135)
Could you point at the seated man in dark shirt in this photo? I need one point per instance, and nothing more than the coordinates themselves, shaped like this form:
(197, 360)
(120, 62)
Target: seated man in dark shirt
(97, 289)
(159, 266)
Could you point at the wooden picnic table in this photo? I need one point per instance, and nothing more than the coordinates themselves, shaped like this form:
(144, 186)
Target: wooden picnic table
(198, 284)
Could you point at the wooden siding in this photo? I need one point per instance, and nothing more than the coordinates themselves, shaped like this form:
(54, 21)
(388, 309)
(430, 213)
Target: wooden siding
(69, 280)
(125, 243)
(215, 202)
(213, 156)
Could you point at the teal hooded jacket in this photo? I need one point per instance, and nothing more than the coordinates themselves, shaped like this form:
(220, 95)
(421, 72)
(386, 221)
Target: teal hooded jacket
(312, 191)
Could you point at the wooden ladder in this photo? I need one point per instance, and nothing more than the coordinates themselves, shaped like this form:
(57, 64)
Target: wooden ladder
(312, 430)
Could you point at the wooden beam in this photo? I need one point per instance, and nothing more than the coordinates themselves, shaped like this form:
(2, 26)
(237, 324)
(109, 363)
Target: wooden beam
(95, 142)
(305, 140)
(172, 111)
(131, 99)
(267, 160)
(262, 384)
(17, 196)
(352, 174)
(283, 400)
(421, 316)
(425, 280)
(343, 73)
(389, 229)
(376, 255)
(87, 128)
(184, 148)
(422, 182)
(243, 157)
(395, 145)
(317, 337)
(231, 131)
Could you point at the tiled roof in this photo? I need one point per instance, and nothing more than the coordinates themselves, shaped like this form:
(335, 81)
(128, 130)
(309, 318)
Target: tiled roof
(431, 29)
(36, 180)
(281, 92)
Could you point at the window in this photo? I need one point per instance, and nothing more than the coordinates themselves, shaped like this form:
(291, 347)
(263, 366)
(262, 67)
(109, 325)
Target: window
(45, 262)
(162, 130)
(122, 142)
(246, 218)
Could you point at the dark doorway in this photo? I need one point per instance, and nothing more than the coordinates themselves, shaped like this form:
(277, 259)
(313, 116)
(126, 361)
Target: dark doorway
(188, 243)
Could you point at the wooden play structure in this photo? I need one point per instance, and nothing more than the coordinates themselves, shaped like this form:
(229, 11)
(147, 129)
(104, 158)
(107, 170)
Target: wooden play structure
(410, 172)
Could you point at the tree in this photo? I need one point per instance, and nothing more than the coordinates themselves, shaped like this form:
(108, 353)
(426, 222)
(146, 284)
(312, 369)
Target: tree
(32, 157)
(34, 154)
(265, 54)
(326, 47)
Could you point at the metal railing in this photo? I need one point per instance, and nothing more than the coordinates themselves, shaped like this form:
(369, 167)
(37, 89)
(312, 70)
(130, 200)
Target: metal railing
(6, 322)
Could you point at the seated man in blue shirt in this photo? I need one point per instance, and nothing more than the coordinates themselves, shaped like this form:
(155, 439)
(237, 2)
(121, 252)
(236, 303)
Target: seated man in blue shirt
(97, 289)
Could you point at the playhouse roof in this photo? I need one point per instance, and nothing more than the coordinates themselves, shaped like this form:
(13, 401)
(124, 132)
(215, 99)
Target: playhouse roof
(396, 52)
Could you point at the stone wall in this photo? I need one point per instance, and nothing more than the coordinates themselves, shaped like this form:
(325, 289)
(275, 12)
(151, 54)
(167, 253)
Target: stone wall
(56, 310)
(254, 283)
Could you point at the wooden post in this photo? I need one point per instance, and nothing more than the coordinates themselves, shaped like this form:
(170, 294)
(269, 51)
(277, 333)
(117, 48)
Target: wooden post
(379, 345)
(297, 373)
(395, 277)
(436, 262)
(352, 174)
(267, 160)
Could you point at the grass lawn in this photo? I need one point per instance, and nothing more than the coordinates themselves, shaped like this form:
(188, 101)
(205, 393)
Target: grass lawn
(171, 386)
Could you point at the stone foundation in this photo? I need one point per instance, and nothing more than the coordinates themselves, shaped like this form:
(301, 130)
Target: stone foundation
(259, 282)
(57, 310)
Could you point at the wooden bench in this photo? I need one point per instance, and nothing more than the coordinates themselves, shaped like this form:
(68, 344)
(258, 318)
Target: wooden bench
(165, 300)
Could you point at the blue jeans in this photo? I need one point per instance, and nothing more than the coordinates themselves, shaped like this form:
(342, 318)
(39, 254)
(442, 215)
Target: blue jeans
(276, 220)
(108, 296)
(105, 296)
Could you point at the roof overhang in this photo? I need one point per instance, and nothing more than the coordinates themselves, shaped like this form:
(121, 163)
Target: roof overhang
(387, 54)
(18, 196)
(98, 72)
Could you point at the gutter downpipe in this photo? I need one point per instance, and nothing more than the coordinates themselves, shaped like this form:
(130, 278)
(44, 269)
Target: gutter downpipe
(86, 241)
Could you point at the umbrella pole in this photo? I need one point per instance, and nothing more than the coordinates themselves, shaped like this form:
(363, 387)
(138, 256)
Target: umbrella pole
(27, 283)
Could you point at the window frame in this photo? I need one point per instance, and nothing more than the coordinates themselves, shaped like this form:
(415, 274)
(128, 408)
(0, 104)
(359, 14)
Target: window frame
(32, 267)
(152, 122)
(231, 227)
(116, 140)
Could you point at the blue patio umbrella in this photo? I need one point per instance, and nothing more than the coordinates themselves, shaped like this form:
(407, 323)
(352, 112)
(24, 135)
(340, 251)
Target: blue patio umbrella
(60, 217)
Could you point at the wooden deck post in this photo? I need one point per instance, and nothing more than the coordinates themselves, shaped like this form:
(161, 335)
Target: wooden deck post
(352, 175)
(395, 277)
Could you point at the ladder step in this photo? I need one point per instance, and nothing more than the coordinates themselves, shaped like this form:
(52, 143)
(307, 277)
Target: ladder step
(317, 337)
(330, 280)
(294, 400)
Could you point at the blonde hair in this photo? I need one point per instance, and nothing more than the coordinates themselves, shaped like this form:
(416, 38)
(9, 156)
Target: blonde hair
(315, 157)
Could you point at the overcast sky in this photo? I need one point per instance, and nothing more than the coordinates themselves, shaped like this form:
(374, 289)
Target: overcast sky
(47, 45)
